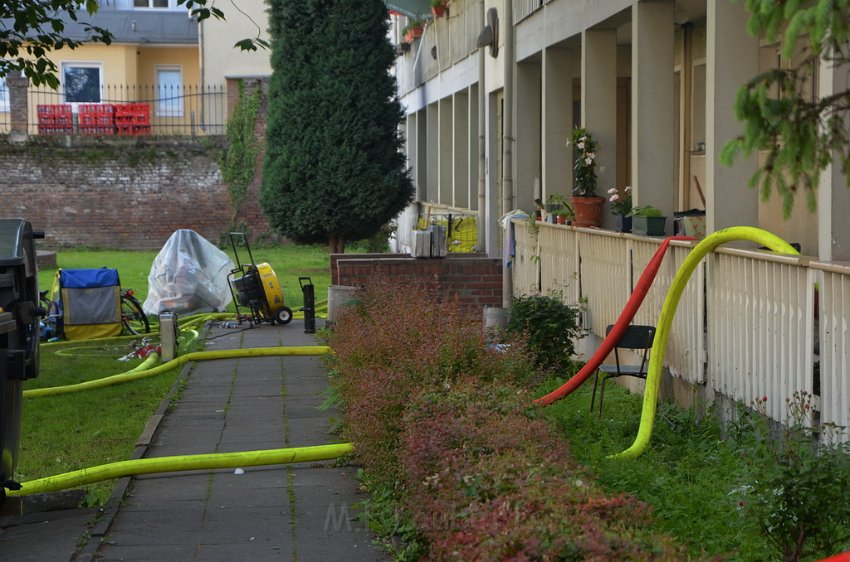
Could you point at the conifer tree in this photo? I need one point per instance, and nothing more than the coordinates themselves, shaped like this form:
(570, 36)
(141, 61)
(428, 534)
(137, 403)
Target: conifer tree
(333, 169)
(800, 135)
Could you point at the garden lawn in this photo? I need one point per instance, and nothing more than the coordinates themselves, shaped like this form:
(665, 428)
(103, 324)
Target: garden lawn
(289, 262)
(82, 429)
(687, 474)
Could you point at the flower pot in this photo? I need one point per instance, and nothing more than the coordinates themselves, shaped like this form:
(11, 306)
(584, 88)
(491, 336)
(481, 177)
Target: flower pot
(625, 223)
(412, 33)
(649, 226)
(438, 11)
(588, 211)
(561, 219)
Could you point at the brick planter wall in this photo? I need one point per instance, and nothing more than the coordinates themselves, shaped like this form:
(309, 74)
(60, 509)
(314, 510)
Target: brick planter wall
(477, 281)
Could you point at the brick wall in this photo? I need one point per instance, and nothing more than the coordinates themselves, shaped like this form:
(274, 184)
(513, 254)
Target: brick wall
(477, 281)
(124, 193)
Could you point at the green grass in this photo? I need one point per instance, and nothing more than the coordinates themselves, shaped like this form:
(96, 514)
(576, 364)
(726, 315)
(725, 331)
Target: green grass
(686, 474)
(77, 430)
(289, 263)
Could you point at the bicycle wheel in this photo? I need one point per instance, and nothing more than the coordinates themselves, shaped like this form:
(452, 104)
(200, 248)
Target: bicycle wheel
(133, 317)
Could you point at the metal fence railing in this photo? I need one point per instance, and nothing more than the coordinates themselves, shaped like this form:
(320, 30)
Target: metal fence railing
(128, 110)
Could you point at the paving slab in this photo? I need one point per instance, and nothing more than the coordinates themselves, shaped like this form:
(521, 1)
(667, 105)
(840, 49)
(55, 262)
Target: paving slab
(282, 512)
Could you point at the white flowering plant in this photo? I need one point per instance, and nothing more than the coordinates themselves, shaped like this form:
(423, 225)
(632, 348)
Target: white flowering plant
(621, 201)
(584, 168)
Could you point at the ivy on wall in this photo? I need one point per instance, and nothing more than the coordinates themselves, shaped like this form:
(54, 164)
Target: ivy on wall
(238, 167)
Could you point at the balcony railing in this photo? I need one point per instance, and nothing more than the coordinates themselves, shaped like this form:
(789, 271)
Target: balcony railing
(125, 110)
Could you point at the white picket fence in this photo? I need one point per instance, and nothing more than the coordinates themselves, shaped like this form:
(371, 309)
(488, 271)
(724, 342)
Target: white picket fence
(749, 324)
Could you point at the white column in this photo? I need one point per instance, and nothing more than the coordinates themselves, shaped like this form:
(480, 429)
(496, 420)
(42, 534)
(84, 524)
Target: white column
(472, 130)
(599, 99)
(557, 175)
(446, 180)
(833, 195)
(410, 138)
(732, 59)
(654, 135)
(432, 155)
(460, 144)
(421, 155)
(527, 152)
(494, 196)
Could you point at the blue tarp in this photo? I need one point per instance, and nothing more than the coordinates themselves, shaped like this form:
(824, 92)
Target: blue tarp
(88, 278)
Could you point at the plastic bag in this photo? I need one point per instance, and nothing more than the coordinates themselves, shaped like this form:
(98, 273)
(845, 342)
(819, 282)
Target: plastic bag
(188, 276)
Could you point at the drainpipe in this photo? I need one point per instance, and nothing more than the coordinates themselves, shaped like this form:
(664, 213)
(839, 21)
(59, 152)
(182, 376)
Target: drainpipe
(507, 141)
(202, 70)
(482, 153)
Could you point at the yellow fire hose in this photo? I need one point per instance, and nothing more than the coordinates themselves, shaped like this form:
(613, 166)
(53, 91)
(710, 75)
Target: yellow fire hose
(668, 312)
(182, 463)
(133, 375)
(185, 462)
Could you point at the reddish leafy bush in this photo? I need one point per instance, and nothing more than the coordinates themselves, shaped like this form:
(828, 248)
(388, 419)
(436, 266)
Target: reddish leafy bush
(488, 481)
(402, 340)
(447, 425)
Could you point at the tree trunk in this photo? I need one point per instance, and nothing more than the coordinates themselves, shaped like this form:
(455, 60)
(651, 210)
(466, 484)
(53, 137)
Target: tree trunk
(336, 244)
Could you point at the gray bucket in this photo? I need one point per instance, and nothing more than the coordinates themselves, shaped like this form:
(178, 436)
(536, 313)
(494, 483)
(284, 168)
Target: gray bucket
(495, 318)
(339, 296)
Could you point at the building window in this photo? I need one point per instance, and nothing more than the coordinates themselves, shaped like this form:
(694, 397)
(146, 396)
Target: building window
(151, 4)
(4, 95)
(82, 82)
(169, 83)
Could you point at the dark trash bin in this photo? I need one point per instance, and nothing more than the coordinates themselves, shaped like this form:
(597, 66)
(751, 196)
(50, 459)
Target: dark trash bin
(19, 337)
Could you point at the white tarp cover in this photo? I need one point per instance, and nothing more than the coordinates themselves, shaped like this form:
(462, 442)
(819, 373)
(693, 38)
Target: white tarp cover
(188, 276)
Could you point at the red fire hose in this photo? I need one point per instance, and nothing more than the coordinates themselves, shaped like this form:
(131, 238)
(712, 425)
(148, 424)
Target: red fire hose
(629, 311)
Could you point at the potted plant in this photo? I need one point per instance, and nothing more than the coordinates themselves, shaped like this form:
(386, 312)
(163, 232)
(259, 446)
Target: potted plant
(438, 8)
(412, 30)
(621, 205)
(648, 220)
(556, 203)
(587, 205)
(564, 216)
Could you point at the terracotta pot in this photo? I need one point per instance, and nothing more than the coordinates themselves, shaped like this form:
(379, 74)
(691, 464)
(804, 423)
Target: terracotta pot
(561, 219)
(588, 211)
(438, 11)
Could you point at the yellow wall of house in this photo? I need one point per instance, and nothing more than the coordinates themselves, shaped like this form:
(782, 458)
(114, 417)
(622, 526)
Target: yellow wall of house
(184, 57)
(118, 61)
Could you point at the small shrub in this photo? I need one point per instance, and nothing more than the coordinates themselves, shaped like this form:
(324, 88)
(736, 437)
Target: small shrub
(551, 327)
(797, 490)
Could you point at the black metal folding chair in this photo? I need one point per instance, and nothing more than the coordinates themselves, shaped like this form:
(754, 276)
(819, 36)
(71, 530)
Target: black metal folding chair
(635, 338)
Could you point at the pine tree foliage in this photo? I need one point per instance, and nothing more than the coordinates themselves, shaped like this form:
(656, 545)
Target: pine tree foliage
(333, 170)
(800, 136)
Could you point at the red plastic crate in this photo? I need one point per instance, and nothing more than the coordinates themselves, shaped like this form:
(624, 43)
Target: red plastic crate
(55, 118)
(96, 119)
(133, 119)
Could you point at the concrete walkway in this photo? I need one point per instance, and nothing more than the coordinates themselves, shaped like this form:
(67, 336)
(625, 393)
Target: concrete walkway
(293, 512)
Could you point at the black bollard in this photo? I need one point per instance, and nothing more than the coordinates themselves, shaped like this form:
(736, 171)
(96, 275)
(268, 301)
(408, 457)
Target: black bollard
(309, 308)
